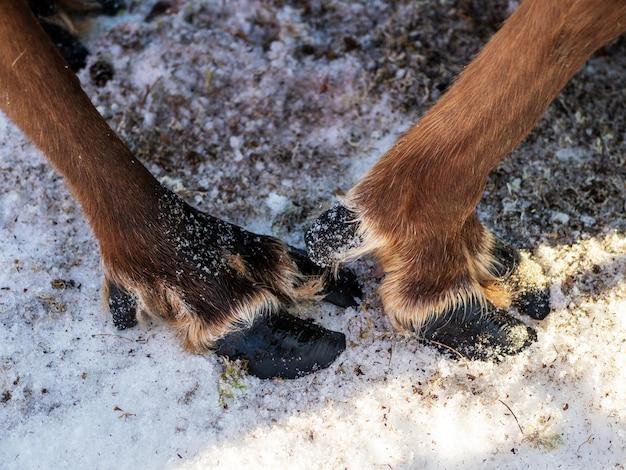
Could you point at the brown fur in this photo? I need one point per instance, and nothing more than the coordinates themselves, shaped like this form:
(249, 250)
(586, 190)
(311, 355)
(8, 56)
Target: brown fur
(125, 205)
(416, 205)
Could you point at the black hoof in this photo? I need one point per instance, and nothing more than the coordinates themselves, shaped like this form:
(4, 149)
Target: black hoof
(283, 346)
(477, 334)
(123, 307)
(341, 290)
(534, 302)
(333, 233)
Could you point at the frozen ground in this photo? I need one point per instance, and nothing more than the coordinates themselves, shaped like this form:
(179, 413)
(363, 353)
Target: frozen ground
(260, 112)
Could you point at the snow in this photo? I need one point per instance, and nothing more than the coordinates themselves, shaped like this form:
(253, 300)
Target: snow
(277, 203)
(273, 152)
(573, 155)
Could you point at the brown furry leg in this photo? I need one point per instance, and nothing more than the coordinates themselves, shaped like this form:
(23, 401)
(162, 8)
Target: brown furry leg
(202, 275)
(448, 285)
(413, 206)
(220, 287)
(430, 275)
